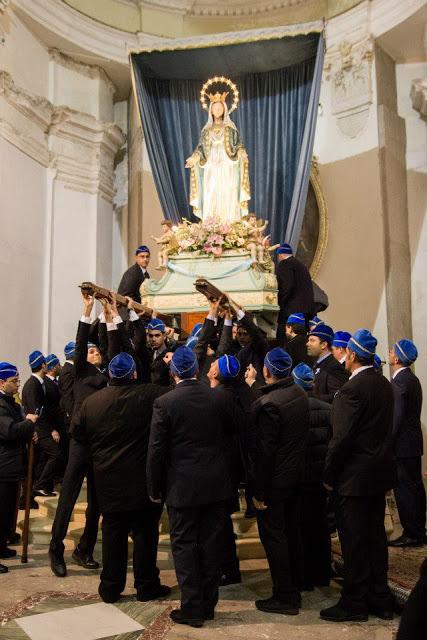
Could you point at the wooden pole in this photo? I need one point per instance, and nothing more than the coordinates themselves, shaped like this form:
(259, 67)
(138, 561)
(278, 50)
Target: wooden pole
(28, 492)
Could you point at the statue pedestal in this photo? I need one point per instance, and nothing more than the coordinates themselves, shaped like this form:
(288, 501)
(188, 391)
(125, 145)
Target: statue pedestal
(233, 273)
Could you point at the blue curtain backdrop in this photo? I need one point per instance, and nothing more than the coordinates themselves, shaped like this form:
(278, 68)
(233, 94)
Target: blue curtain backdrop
(276, 118)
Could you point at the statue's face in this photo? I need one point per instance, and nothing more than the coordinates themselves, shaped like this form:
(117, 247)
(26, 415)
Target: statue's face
(217, 109)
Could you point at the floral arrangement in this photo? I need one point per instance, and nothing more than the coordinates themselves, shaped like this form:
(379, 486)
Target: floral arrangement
(212, 237)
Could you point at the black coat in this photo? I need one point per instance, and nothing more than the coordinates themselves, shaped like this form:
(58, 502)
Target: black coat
(319, 435)
(34, 400)
(255, 352)
(360, 460)
(131, 281)
(295, 293)
(115, 421)
(408, 400)
(66, 384)
(329, 376)
(186, 462)
(297, 349)
(14, 432)
(159, 370)
(281, 420)
(54, 412)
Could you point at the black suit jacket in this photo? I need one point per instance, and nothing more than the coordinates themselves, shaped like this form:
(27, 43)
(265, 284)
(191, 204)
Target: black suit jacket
(34, 400)
(186, 455)
(360, 460)
(131, 282)
(15, 431)
(408, 400)
(54, 412)
(116, 423)
(66, 384)
(295, 293)
(329, 376)
(297, 349)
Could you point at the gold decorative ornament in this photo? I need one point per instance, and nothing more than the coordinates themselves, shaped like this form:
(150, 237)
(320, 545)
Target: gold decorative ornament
(219, 97)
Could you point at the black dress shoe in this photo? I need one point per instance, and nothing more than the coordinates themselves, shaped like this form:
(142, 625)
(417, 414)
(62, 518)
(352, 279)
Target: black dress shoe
(338, 613)
(181, 618)
(84, 559)
(271, 605)
(108, 596)
(161, 591)
(405, 541)
(57, 563)
(384, 614)
(33, 504)
(14, 538)
(3, 569)
(250, 513)
(230, 578)
(7, 553)
(44, 494)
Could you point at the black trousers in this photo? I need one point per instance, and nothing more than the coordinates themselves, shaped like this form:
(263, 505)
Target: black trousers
(315, 536)
(196, 537)
(411, 497)
(279, 529)
(413, 623)
(230, 564)
(360, 521)
(8, 497)
(79, 466)
(116, 527)
(50, 462)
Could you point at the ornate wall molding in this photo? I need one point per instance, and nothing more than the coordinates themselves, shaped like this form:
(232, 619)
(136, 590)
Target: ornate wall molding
(348, 67)
(35, 108)
(92, 71)
(4, 5)
(419, 97)
(221, 8)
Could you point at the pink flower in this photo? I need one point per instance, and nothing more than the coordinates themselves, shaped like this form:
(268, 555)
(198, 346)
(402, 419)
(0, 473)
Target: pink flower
(217, 251)
(208, 248)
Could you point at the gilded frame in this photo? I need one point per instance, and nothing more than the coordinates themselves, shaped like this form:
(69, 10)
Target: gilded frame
(322, 240)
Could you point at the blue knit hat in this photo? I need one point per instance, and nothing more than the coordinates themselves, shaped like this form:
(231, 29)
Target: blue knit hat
(278, 362)
(378, 363)
(121, 366)
(70, 349)
(51, 360)
(184, 363)
(323, 332)
(296, 318)
(156, 325)
(341, 339)
(142, 249)
(303, 375)
(36, 359)
(284, 248)
(191, 342)
(195, 331)
(406, 351)
(229, 367)
(363, 343)
(315, 322)
(7, 370)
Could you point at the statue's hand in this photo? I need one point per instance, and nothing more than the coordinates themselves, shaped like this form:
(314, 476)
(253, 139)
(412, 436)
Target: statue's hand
(190, 162)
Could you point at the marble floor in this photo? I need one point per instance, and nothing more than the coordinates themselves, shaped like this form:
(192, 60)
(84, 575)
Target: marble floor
(30, 590)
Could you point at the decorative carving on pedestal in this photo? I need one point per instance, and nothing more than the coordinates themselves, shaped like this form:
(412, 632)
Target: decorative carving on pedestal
(419, 97)
(348, 67)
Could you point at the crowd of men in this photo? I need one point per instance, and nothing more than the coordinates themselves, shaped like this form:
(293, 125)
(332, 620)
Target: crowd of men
(307, 423)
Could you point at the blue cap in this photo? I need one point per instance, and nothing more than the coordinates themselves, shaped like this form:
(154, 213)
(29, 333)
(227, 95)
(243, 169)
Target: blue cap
(315, 322)
(52, 360)
(296, 318)
(341, 339)
(142, 249)
(229, 367)
(69, 349)
(195, 331)
(156, 325)
(377, 362)
(36, 359)
(278, 362)
(323, 332)
(303, 375)
(191, 342)
(363, 343)
(184, 363)
(7, 370)
(121, 366)
(406, 351)
(284, 248)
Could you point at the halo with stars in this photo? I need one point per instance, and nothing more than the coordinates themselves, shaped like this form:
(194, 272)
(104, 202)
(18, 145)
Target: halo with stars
(222, 80)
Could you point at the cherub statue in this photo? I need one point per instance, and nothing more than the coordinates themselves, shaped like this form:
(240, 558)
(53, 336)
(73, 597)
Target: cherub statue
(167, 242)
(256, 242)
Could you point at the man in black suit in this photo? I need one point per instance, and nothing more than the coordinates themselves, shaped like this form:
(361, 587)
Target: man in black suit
(36, 401)
(281, 419)
(339, 346)
(133, 278)
(115, 421)
(329, 374)
(296, 339)
(360, 467)
(295, 288)
(187, 468)
(408, 445)
(158, 342)
(88, 378)
(66, 383)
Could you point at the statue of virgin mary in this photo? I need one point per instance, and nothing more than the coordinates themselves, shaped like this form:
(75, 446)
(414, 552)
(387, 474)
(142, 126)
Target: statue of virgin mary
(219, 179)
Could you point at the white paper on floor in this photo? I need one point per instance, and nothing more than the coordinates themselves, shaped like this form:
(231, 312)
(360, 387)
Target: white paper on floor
(90, 622)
